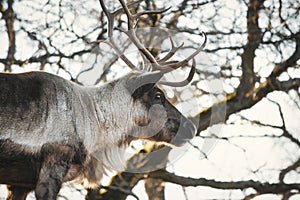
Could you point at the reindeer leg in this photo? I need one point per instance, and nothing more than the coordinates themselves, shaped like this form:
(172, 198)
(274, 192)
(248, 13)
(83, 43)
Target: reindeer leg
(56, 163)
(17, 193)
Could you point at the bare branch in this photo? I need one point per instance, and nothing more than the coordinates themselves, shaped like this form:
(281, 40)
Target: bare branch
(283, 172)
(262, 188)
(238, 101)
(254, 38)
(281, 67)
(9, 16)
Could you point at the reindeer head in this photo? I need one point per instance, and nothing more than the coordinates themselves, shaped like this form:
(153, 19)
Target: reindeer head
(154, 117)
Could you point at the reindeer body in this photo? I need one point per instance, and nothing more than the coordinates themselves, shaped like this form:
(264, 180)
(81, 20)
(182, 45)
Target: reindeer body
(52, 130)
(43, 114)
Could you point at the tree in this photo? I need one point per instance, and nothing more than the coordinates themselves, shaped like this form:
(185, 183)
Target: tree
(253, 51)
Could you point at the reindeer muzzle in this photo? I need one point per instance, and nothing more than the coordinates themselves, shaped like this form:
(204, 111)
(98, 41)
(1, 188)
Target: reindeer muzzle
(185, 132)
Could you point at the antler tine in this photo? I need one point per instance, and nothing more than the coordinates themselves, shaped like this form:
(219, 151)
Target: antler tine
(170, 66)
(184, 82)
(132, 34)
(162, 65)
(130, 18)
(110, 24)
(171, 53)
(110, 17)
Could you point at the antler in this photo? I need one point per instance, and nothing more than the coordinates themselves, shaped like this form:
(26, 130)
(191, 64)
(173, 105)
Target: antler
(162, 65)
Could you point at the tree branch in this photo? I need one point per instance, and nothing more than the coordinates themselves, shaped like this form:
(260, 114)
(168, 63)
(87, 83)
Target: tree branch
(283, 172)
(262, 188)
(9, 16)
(235, 102)
(283, 66)
(254, 39)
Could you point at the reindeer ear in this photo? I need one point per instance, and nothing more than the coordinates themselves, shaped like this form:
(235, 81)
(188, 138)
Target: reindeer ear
(138, 85)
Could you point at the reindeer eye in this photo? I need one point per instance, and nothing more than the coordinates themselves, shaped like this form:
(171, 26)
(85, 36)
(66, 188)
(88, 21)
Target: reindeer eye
(158, 96)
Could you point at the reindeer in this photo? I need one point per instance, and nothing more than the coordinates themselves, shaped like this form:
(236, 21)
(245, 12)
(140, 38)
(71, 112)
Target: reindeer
(53, 130)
